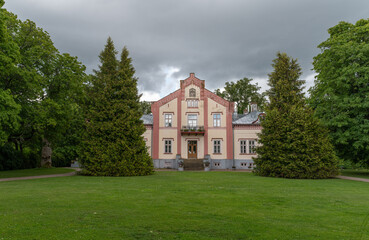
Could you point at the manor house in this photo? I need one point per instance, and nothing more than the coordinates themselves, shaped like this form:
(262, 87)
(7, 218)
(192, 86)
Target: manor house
(193, 124)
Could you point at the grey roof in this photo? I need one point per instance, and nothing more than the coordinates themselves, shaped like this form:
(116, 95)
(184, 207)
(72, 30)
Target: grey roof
(245, 119)
(147, 119)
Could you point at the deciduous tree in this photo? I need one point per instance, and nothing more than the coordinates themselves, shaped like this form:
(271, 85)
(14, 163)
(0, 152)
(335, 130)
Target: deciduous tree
(242, 92)
(340, 96)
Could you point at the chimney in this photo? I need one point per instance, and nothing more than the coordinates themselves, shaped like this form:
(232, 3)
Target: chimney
(254, 107)
(245, 111)
(192, 74)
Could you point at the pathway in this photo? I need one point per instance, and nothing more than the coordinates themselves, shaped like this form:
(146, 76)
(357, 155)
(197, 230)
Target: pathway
(36, 177)
(353, 178)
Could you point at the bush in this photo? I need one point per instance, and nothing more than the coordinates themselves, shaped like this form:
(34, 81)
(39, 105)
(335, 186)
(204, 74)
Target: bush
(11, 159)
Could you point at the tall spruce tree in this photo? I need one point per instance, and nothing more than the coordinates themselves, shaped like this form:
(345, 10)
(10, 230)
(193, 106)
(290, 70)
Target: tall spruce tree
(293, 143)
(113, 144)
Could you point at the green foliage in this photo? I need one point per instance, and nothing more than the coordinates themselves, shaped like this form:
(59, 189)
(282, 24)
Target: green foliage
(113, 144)
(46, 88)
(11, 159)
(243, 92)
(9, 118)
(293, 142)
(145, 107)
(340, 96)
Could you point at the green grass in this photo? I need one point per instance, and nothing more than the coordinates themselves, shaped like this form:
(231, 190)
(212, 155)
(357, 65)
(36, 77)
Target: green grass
(360, 173)
(33, 172)
(184, 205)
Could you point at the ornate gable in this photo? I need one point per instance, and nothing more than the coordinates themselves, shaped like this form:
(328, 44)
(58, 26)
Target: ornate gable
(192, 80)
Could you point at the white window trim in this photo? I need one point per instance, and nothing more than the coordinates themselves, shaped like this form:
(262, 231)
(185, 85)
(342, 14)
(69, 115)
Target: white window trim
(188, 120)
(192, 103)
(171, 119)
(220, 120)
(245, 145)
(220, 146)
(248, 146)
(171, 145)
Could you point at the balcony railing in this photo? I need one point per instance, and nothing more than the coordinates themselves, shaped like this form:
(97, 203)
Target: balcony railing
(193, 130)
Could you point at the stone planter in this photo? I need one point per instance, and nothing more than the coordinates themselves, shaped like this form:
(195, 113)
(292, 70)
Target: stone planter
(207, 169)
(180, 168)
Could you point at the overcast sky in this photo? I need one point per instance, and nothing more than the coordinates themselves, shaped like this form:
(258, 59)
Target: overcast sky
(218, 40)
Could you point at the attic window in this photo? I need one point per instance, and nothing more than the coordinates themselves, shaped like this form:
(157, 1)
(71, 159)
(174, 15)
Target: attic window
(192, 92)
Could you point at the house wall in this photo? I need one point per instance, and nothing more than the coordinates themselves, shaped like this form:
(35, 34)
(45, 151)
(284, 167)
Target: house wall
(244, 132)
(199, 111)
(208, 104)
(148, 138)
(200, 146)
(217, 133)
(169, 133)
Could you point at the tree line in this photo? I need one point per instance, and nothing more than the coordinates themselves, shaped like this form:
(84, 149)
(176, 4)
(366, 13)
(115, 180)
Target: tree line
(51, 109)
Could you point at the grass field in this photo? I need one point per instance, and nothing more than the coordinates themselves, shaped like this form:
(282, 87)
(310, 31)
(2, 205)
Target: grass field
(33, 172)
(362, 173)
(184, 205)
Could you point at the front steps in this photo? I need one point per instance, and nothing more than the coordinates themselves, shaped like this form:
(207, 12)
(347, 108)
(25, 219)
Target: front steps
(193, 164)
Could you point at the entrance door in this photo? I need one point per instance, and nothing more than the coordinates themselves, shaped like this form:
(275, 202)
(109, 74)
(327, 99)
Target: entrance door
(192, 149)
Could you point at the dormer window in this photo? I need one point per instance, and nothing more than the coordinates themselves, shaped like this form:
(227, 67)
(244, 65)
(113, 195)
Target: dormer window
(192, 92)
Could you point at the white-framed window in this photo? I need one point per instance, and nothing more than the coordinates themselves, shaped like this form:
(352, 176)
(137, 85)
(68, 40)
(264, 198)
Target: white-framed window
(192, 92)
(167, 146)
(251, 146)
(216, 146)
(243, 145)
(192, 103)
(247, 146)
(216, 120)
(192, 120)
(168, 119)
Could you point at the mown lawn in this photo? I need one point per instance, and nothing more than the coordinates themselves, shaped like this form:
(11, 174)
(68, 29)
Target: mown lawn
(360, 173)
(33, 172)
(184, 205)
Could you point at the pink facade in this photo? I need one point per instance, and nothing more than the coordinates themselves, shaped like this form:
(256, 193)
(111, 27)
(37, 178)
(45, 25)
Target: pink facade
(194, 123)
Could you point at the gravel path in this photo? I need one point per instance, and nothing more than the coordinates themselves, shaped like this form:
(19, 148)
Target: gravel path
(36, 177)
(354, 178)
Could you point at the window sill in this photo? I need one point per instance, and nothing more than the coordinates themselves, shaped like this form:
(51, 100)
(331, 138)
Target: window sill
(168, 153)
(247, 153)
(217, 153)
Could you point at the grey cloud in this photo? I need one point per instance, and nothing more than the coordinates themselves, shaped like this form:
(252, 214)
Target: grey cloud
(218, 40)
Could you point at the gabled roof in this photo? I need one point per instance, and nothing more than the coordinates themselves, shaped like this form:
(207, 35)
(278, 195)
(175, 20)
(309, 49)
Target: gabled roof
(246, 119)
(147, 119)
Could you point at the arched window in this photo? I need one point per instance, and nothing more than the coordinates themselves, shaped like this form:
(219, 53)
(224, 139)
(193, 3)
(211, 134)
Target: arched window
(192, 92)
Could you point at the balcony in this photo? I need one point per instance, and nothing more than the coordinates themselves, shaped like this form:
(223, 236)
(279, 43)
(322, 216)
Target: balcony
(192, 130)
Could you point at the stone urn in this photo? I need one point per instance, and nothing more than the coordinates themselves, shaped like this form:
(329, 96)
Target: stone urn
(206, 166)
(180, 165)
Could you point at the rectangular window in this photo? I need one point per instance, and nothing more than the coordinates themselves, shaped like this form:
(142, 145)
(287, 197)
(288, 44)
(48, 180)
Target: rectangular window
(243, 146)
(168, 146)
(216, 146)
(168, 120)
(192, 120)
(192, 103)
(251, 146)
(216, 120)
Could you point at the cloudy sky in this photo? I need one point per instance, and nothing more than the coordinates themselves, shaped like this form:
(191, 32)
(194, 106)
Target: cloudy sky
(219, 40)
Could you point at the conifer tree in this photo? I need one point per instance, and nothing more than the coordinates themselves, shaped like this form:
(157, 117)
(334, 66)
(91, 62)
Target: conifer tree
(293, 143)
(113, 144)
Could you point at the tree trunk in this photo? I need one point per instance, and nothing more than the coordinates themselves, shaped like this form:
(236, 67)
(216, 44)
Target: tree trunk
(46, 154)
